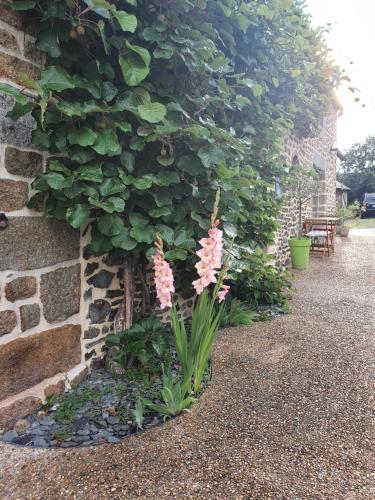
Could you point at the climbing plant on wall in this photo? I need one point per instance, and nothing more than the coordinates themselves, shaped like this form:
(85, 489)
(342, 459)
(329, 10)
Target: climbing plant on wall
(149, 106)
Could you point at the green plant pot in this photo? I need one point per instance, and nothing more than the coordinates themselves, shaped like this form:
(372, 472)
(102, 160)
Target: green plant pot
(299, 251)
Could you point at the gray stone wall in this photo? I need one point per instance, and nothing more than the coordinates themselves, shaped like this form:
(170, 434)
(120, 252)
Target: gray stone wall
(40, 324)
(309, 152)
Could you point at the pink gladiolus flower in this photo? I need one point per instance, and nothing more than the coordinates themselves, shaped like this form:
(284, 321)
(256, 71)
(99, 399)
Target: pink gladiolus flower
(223, 292)
(163, 278)
(210, 258)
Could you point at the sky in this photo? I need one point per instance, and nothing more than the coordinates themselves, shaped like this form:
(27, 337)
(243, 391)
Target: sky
(352, 40)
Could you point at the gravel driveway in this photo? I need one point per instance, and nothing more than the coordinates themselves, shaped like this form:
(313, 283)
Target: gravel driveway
(289, 414)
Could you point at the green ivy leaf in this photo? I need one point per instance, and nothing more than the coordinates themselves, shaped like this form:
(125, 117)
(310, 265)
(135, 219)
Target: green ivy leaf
(83, 136)
(128, 22)
(109, 91)
(137, 144)
(152, 112)
(57, 181)
(124, 126)
(77, 215)
(111, 186)
(159, 212)
(166, 233)
(128, 161)
(136, 65)
(107, 143)
(110, 225)
(100, 243)
(101, 7)
(48, 41)
(56, 78)
(165, 161)
(142, 183)
(118, 203)
(211, 155)
(138, 220)
(143, 234)
(107, 206)
(124, 241)
(177, 254)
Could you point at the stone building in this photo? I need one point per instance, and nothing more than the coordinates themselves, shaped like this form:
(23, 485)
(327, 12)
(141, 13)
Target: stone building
(57, 300)
(319, 153)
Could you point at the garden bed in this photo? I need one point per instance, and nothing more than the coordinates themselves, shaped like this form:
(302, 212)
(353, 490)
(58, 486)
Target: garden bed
(100, 410)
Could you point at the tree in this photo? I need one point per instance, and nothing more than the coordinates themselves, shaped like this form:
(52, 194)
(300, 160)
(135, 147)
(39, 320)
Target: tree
(358, 169)
(147, 107)
(302, 185)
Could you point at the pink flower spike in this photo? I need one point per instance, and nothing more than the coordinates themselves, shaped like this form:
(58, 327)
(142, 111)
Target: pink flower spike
(163, 278)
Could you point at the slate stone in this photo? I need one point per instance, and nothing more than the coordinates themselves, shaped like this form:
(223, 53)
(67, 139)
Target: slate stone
(112, 294)
(24, 163)
(113, 420)
(68, 444)
(9, 436)
(90, 268)
(101, 280)
(8, 322)
(30, 316)
(79, 424)
(20, 288)
(99, 311)
(40, 442)
(113, 440)
(26, 361)
(23, 440)
(91, 333)
(60, 293)
(87, 294)
(13, 195)
(36, 242)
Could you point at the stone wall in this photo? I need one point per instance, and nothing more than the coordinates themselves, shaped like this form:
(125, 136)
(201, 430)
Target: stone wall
(40, 324)
(309, 152)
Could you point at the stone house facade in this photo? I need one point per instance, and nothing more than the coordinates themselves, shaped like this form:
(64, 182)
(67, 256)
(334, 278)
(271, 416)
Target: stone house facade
(319, 153)
(58, 300)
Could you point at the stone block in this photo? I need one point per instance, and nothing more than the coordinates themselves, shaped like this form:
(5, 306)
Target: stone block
(25, 163)
(91, 333)
(11, 132)
(30, 316)
(11, 17)
(8, 322)
(11, 68)
(31, 53)
(13, 195)
(99, 311)
(101, 280)
(27, 361)
(21, 426)
(8, 40)
(20, 288)
(36, 242)
(60, 293)
(54, 389)
(77, 375)
(20, 408)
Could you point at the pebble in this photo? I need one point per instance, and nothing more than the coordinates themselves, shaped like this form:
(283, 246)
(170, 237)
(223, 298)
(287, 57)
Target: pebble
(40, 442)
(113, 439)
(9, 436)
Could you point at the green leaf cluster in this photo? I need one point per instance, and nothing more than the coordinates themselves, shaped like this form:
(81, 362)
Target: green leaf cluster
(147, 108)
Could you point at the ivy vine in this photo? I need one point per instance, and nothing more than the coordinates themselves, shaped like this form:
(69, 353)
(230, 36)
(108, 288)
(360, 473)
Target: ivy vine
(147, 107)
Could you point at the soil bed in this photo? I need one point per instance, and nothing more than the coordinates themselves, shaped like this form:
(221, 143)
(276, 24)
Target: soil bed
(97, 411)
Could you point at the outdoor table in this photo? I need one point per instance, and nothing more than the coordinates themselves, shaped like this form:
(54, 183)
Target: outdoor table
(321, 228)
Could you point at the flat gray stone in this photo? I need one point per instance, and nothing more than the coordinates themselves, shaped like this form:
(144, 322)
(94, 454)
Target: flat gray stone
(9, 436)
(40, 442)
(11, 132)
(113, 440)
(36, 242)
(60, 292)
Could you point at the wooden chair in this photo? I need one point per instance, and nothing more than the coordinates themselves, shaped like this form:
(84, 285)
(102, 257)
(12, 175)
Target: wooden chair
(321, 233)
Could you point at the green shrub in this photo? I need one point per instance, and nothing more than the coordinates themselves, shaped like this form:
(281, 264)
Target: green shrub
(238, 313)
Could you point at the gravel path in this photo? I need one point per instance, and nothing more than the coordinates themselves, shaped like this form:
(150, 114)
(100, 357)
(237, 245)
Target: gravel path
(289, 414)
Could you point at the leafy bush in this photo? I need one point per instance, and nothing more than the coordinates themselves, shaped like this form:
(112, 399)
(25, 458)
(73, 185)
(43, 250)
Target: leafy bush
(146, 108)
(141, 343)
(238, 313)
(174, 395)
(259, 283)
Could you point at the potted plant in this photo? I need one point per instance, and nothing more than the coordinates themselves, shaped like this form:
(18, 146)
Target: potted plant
(302, 185)
(345, 214)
